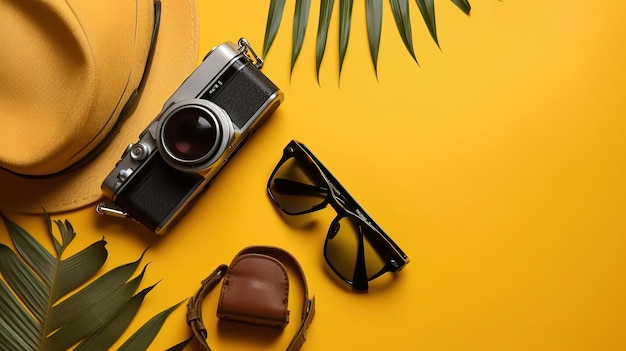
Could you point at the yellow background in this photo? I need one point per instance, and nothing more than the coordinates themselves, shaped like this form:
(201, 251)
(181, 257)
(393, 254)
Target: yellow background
(497, 164)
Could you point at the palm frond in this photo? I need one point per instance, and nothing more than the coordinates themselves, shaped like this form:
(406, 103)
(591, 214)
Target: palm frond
(274, 16)
(140, 339)
(178, 347)
(345, 21)
(300, 21)
(374, 14)
(326, 10)
(113, 327)
(41, 308)
(427, 8)
(464, 5)
(400, 9)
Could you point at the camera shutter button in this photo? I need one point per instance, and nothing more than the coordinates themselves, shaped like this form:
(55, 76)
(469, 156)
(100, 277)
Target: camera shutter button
(139, 151)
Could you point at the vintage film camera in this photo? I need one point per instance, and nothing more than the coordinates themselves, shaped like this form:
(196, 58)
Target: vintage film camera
(202, 125)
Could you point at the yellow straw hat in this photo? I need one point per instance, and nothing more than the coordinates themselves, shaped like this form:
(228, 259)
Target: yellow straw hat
(67, 70)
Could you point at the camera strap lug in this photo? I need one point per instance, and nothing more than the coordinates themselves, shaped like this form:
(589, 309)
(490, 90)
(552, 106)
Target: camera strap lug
(109, 210)
(246, 49)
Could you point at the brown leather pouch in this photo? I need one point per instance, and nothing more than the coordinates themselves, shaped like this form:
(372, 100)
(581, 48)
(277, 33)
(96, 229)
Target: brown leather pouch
(255, 290)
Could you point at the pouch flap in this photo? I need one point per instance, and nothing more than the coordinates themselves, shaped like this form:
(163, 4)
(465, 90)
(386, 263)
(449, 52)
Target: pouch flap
(255, 290)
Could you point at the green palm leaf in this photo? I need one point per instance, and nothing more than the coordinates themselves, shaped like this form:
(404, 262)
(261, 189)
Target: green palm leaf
(345, 21)
(400, 9)
(114, 326)
(464, 5)
(374, 14)
(300, 21)
(274, 16)
(140, 340)
(37, 309)
(374, 11)
(326, 10)
(427, 8)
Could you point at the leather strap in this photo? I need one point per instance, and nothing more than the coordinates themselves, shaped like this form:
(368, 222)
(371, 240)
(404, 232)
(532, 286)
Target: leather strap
(194, 306)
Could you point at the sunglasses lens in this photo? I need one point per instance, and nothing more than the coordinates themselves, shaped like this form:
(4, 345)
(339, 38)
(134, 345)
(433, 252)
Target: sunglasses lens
(346, 240)
(297, 188)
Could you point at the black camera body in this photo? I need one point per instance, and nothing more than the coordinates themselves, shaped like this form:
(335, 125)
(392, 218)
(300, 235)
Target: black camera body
(201, 126)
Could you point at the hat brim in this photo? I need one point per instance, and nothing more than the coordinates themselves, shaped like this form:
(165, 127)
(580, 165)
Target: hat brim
(174, 58)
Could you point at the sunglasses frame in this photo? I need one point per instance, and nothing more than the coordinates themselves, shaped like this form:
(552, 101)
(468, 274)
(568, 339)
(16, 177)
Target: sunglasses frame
(345, 206)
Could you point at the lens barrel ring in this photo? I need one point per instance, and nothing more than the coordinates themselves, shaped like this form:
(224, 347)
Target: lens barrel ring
(193, 133)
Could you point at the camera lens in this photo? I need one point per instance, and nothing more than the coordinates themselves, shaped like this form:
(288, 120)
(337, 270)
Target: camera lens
(191, 134)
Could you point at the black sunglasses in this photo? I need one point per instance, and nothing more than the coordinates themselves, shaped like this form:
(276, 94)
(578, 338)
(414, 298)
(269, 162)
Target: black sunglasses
(356, 248)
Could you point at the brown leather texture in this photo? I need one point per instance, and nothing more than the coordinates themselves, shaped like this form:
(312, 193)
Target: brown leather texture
(263, 260)
(255, 290)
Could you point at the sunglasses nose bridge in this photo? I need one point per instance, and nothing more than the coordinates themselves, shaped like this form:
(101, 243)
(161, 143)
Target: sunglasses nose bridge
(334, 228)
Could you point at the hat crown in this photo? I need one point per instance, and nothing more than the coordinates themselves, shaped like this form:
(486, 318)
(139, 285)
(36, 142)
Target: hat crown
(68, 68)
